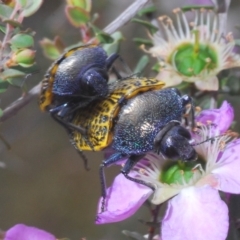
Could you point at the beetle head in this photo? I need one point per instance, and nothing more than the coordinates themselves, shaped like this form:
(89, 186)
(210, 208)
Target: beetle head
(175, 144)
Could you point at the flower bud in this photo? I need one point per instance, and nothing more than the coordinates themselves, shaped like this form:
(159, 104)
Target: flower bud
(24, 57)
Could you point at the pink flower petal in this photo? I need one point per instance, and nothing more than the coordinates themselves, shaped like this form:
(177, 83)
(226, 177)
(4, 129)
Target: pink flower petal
(221, 117)
(23, 232)
(227, 171)
(196, 213)
(124, 198)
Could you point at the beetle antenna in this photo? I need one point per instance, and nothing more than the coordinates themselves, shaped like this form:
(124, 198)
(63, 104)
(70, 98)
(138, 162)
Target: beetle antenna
(206, 140)
(229, 133)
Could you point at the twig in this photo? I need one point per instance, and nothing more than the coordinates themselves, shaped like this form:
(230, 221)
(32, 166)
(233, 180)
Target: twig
(111, 28)
(12, 109)
(128, 14)
(152, 229)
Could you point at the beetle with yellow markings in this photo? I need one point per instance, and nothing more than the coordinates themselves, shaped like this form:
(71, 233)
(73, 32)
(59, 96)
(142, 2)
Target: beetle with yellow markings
(138, 116)
(77, 78)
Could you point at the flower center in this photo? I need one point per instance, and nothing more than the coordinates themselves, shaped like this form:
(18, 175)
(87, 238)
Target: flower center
(191, 59)
(178, 172)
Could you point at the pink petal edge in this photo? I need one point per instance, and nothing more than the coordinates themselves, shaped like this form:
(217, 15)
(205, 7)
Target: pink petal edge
(124, 198)
(23, 232)
(227, 170)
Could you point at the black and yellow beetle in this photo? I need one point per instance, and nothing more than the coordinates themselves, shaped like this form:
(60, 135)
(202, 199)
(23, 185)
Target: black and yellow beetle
(78, 77)
(137, 117)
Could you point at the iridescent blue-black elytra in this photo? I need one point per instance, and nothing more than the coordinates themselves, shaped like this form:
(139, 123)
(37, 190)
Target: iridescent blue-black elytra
(137, 117)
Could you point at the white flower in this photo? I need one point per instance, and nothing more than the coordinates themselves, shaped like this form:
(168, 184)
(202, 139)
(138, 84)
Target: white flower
(193, 52)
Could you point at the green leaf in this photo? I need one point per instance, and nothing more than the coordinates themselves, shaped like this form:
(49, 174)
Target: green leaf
(84, 4)
(30, 6)
(13, 22)
(146, 10)
(113, 47)
(100, 35)
(3, 29)
(156, 67)
(23, 3)
(5, 11)
(77, 16)
(142, 63)
(1, 112)
(11, 73)
(197, 7)
(104, 37)
(153, 29)
(3, 86)
(18, 82)
(22, 41)
(143, 41)
(50, 50)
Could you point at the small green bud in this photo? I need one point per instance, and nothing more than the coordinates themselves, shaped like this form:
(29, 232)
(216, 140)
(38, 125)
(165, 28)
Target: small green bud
(24, 57)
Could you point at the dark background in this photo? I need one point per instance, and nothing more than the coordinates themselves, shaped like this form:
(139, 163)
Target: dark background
(43, 183)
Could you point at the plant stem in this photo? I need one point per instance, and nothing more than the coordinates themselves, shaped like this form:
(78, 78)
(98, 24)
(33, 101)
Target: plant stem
(152, 229)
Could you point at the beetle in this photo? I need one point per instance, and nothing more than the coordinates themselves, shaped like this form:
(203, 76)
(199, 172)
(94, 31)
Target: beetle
(74, 80)
(137, 117)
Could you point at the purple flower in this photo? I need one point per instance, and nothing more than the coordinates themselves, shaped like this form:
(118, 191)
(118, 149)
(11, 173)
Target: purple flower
(23, 232)
(195, 209)
(221, 117)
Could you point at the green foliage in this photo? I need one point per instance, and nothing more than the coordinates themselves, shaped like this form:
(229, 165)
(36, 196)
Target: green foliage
(11, 73)
(5, 11)
(191, 7)
(51, 49)
(150, 27)
(147, 10)
(143, 41)
(3, 86)
(22, 41)
(77, 16)
(141, 65)
(29, 7)
(101, 36)
(114, 46)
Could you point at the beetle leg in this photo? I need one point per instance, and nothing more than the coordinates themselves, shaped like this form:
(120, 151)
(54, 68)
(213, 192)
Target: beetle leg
(130, 163)
(111, 59)
(188, 100)
(106, 163)
(69, 127)
(158, 138)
